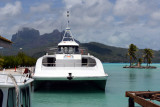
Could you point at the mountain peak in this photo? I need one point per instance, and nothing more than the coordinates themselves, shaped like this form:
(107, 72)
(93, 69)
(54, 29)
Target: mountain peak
(55, 31)
(25, 33)
(31, 38)
(25, 36)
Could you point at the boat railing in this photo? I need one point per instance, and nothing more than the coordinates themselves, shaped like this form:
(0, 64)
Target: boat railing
(19, 78)
(83, 51)
(69, 64)
(21, 69)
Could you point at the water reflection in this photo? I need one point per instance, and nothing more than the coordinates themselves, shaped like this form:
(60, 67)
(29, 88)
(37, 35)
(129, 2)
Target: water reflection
(148, 73)
(132, 74)
(67, 96)
(132, 78)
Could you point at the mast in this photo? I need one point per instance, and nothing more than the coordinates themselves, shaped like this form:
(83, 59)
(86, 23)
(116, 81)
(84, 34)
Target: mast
(68, 19)
(68, 30)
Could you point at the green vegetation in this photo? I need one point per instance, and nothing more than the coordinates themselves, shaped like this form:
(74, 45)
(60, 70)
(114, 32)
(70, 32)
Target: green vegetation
(132, 53)
(105, 53)
(148, 55)
(140, 61)
(1, 62)
(21, 59)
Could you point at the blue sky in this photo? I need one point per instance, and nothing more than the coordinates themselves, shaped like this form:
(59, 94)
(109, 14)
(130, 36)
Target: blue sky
(112, 22)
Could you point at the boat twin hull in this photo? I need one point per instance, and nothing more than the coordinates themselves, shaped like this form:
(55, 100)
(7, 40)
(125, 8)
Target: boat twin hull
(74, 83)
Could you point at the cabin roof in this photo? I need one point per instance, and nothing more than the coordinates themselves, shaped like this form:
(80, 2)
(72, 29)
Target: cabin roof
(68, 43)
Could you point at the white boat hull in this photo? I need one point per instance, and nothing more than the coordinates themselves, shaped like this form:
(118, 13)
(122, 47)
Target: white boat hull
(53, 73)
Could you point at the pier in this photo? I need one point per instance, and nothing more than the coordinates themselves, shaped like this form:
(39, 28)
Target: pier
(143, 98)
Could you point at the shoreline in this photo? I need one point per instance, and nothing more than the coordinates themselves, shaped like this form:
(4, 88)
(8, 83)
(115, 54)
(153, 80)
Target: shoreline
(141, 67)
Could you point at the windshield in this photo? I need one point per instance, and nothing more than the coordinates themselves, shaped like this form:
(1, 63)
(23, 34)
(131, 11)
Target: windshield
(68, 50)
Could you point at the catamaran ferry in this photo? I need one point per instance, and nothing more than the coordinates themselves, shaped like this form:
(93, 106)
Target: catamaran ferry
(69, 64)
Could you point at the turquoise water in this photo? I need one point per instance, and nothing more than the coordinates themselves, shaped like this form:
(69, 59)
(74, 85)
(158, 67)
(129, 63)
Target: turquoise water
(119, 81)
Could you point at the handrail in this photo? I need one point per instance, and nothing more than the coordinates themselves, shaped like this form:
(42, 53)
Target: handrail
(70, 63)
(16, 87)
(24, 76)
(64, 64)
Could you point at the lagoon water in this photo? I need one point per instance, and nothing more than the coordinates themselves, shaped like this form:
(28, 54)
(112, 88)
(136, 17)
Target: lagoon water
(119, 81)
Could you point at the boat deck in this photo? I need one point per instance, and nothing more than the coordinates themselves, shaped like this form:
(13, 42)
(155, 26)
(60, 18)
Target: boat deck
(20, 78)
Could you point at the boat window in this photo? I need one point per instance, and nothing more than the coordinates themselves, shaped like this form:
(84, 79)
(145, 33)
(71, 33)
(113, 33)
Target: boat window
(25, 97)
(11, 98)
(84, 61)
(87, 61)
(1, 98)
(49, 61)
(68, 50)
(60, 50)
(76, 50)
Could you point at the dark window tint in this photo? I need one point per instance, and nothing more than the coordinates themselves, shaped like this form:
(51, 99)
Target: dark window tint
(84, 61)
(1, 98)
(25, 97)
(11, 98)
(87, 61)
(49, 61)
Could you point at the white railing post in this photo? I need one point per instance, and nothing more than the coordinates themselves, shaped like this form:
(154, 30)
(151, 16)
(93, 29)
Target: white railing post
(6, 79)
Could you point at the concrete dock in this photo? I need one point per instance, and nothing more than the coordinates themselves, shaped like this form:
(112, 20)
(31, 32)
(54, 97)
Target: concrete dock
(16, 71)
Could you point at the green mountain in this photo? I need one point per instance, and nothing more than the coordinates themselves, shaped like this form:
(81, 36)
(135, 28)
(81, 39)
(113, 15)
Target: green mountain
(31, 38)
(106, 53)
(32, 43)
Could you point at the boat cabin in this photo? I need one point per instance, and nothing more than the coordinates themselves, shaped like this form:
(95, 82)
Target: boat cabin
(68, 47)
(68, 50)
(13, 93)
(68, 54)
(8, 97)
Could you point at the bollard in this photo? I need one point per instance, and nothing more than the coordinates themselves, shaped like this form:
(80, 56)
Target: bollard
(15, 69)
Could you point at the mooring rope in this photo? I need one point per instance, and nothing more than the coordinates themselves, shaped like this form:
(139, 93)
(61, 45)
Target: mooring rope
(16, 88)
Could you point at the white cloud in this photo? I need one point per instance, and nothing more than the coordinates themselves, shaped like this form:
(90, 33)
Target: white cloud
(156, 15)
(129, 8)
(88, 14)
(100, 21)
(10, 10)
(40, 8)
(116, 23)
(118, 37)
(71, 3)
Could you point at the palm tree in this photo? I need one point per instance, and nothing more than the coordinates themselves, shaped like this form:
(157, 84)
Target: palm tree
(132, 52)
(148, 55)
(149, 61)
(140, 60)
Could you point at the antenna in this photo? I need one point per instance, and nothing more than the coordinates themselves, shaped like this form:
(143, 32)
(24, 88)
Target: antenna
(68, 30)
(68, 18)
